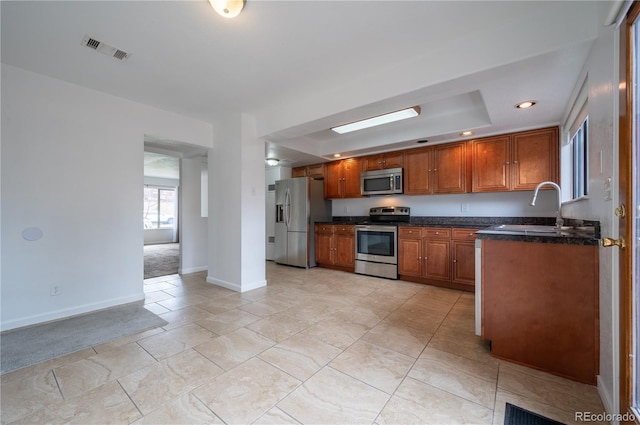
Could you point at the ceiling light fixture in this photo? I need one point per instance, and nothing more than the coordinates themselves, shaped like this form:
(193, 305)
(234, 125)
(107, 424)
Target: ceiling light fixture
(378, 120)
(227, 8)
(272, 161)
(526, 104)
(466, 133)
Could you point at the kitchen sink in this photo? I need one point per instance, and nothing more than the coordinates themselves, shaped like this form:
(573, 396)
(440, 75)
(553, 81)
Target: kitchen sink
(531, 228)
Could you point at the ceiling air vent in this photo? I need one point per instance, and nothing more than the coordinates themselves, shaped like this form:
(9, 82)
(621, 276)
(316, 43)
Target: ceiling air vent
(104, 48)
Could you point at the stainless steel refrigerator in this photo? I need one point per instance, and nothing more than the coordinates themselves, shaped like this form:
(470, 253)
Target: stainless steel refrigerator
(300, 204)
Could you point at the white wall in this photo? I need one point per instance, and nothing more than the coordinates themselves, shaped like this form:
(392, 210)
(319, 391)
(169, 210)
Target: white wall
(601, 70)
(72, 165)
(236, 205)
(508, 204)
(193, 227)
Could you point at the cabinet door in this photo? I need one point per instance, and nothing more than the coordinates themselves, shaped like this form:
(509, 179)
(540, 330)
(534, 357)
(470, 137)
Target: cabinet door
(409, 256)
(463, 260)
(383, 161)
(299, 172)
(372, 162)
(393, 159)
(333, 180)
(417, 172)
(534, 158)
(351, 169)
(344, 249)
(450, 168)
(323, 248)
(316, 171)
(436, 259)
(491, 162)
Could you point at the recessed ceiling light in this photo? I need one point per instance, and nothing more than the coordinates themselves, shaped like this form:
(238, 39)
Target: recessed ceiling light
(336, 155)
(526, 104)
(378, 120)
(466, 133)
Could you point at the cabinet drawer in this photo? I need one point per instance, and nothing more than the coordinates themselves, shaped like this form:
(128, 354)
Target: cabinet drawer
(324, 228)
(436, 233)
(409, 232)
(464, 234)
(343, 229)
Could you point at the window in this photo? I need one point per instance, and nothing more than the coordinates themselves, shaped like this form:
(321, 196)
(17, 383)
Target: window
(579, 142)
(159, 208)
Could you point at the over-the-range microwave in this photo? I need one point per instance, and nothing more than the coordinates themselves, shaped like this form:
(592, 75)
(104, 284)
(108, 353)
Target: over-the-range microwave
(381, 182)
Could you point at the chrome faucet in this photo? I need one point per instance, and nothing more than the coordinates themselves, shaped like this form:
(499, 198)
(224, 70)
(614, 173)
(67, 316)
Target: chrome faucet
(559, 220)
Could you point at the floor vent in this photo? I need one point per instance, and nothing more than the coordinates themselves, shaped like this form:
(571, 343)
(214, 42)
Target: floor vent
(104, 48)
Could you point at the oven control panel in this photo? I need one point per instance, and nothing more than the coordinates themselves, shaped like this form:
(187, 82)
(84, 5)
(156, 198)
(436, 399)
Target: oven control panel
(393, 211)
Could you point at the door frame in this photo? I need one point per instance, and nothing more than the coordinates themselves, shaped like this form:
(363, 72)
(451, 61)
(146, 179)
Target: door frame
(626, 161)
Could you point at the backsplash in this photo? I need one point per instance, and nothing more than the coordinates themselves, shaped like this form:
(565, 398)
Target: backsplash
(507, 204)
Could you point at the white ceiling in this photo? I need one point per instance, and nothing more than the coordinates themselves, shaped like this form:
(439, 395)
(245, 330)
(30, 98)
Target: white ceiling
(301, 67)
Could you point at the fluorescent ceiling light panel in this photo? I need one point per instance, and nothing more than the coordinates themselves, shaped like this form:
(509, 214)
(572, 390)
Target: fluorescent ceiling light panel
(379, 120)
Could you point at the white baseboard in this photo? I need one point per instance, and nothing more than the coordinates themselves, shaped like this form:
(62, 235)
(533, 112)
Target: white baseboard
(235, 286)
(188, 270)
(67, 312)
(605, 396)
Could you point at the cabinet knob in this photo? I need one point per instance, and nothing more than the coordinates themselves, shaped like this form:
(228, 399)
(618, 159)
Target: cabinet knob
(515, 162)
(507, 163)
(437, 233)
(455, 261)
(471, 234)
(435, 169)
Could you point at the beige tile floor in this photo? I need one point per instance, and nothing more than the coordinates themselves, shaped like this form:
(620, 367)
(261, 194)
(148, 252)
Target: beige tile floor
(314, 346)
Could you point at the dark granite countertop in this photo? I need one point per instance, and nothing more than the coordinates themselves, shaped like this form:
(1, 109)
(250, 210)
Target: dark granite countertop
(582, 232)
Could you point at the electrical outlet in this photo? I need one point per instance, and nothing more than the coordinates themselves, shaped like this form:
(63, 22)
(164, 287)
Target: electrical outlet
(55, 289)
(464, 207)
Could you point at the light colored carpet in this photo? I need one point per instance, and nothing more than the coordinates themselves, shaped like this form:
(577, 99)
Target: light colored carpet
(33, 344)
(161, 259)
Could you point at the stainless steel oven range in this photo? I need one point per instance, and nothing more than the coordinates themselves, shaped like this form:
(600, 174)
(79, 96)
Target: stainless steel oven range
(377, 242)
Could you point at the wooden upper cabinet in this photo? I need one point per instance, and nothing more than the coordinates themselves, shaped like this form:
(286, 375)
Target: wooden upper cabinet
(535, 158)
(437, 169)
(342, 179)
(299, 172)
(450, 168)
(333, 180)
(315, 171)
(491, 157)
(383, 161)
(417, 172)
(517, 161)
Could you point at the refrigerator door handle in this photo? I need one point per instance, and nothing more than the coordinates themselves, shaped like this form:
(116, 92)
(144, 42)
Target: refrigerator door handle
(288, 207)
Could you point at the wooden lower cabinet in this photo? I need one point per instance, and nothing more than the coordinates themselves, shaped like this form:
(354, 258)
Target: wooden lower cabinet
(540, 306)
(335, 246)
(438, 256)
(463, 253)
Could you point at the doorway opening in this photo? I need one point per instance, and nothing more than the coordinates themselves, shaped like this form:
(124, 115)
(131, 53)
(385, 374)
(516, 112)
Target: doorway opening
(160, 214)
